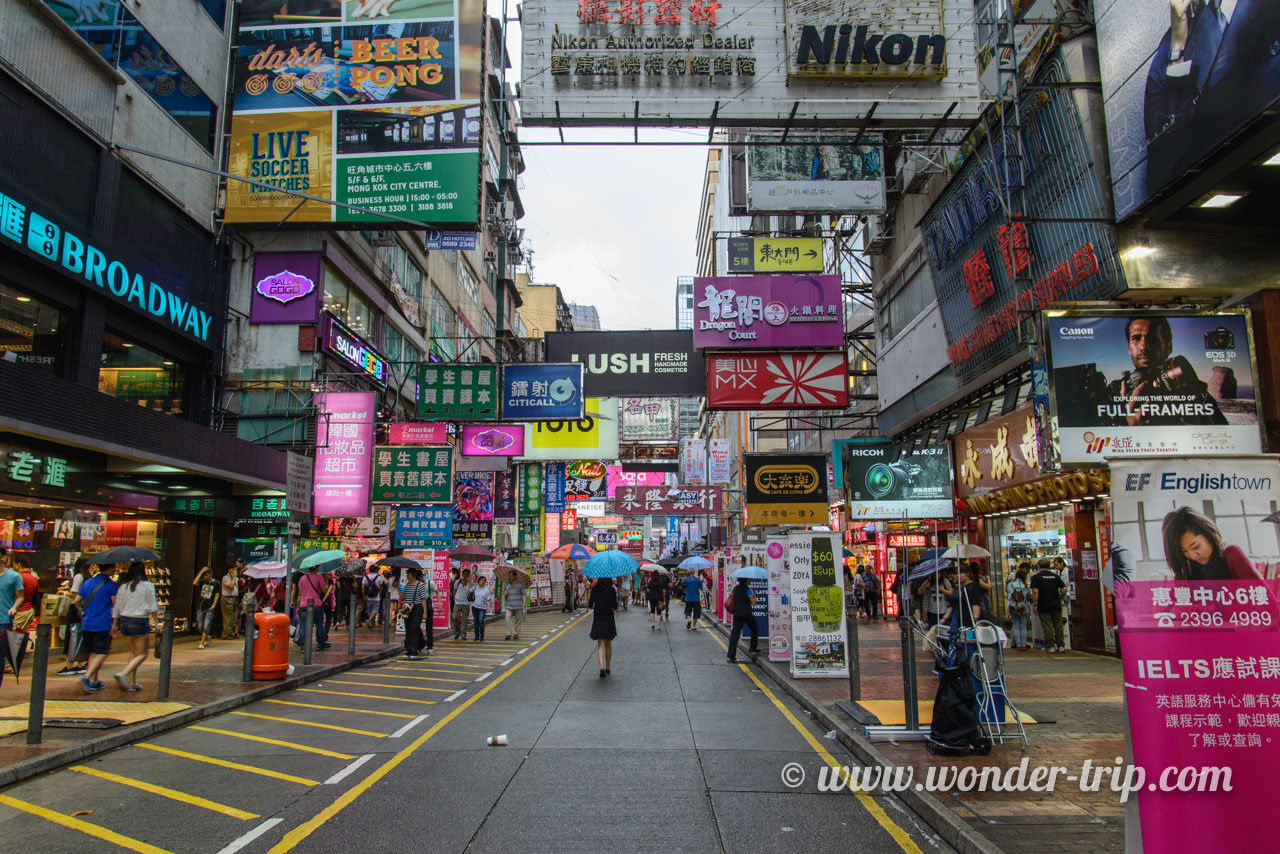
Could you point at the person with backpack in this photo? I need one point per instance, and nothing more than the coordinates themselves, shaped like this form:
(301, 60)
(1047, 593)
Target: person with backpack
(374, 584)
(1018, 605)
(740, 605)
(656, 590)
(870, 593)
(859, 588)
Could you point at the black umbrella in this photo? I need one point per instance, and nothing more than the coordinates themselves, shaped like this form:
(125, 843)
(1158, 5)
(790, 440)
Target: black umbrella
(350, 568)
(399, 561)
(123, 554)
(669, 562)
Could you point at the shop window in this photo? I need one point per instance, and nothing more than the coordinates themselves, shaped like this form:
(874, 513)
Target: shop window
(132, 372)
(126, 44)
(345, 303)
(31, 332)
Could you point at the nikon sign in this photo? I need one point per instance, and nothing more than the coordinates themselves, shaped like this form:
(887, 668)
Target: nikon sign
(866, 38)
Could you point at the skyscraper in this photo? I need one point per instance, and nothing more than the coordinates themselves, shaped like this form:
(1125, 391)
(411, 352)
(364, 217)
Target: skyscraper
(684, 302)
(585, 317)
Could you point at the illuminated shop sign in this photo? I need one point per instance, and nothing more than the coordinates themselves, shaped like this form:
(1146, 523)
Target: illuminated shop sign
(350, 348)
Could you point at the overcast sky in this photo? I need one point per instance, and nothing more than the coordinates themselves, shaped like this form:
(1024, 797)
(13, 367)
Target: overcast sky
(613, 226)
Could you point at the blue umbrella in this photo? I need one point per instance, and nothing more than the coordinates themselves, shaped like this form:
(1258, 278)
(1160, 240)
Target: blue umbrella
(755, 573)
(928, 567)
(695, 563)
(610, 564)
(324, 560)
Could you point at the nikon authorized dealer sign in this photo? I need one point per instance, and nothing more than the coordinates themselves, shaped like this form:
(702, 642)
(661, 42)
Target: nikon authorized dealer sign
(866, 38)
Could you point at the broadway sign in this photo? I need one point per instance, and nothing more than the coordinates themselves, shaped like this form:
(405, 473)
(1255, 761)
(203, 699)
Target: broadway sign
(674, 501)
(632, 364)
(777, 381)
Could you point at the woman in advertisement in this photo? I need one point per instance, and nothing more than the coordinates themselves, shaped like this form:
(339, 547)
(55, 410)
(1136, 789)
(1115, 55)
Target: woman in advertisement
(1194, 551)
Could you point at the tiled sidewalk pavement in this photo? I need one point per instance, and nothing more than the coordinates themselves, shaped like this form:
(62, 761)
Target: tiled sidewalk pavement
(1080, 693)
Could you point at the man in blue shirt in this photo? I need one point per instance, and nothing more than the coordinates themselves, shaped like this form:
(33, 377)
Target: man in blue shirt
(10, 591)
(95, 600)
(692, 602)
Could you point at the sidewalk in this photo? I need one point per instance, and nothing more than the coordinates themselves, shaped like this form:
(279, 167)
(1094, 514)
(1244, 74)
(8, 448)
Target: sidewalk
(198, 678)
(1077, 698)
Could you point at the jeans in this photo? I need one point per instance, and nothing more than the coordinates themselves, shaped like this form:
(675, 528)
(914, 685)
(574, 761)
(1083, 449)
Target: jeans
(514, 620)
(478, 614)
(736, 633)
(1021, 628)
(322, 625)
(460, 615)
(1051, 622)
(413, 630)
(429, 630)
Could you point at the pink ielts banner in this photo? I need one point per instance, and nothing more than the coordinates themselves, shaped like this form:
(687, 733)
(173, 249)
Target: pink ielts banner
(417, 433)
(1193, 569)
(344, 452)
(615, 477)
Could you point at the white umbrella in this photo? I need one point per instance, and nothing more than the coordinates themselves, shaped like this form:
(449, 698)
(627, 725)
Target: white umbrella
(267, 569)
(965, 551)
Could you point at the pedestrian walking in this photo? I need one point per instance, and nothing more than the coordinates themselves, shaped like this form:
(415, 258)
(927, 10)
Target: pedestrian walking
(603, 601)
(413, 606)
(482, 597)
(207, 596)
(230, 595)
(1018, 604)
(96, 601)
(693, 586)
(860, 591)
(393, 580)
(25, 615)
(568, 595)
(871, 593)
(656, 591)
(10, 591)
(374, 586)
(583, 592)
(429, 612)
(740, 605)
(933, 594)
(310, 592)
(463, 596)
(134, 615)
(72, 645)
(1046, 600)
(513, 606)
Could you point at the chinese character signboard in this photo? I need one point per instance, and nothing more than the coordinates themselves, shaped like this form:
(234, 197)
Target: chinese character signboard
(718, 461)
(1193, 568)
(261, 508)
(768, 311)
(26, 467)
(344, 452)
(553, 488)
(492, 440)
(531, 533)
(775, 255)
(693, 461)
(542, 392)
(886, 482)
(786, 489)
(455, 390)
(413, 473)
(407, 433)
(424, 526)
(299, 473)
(618, 478)
(678, 500)
(569, 520)
(504, 496)
(530, 493)
(593, 436)
(819, 174)
(777, 381)
(585, 480)
(641, 364)
(284, 289)
(473, 506)
(650, 419)
(379, 113)
(352, 350)
(1152, 385)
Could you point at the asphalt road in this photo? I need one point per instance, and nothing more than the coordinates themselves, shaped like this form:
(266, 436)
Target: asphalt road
(677, 750)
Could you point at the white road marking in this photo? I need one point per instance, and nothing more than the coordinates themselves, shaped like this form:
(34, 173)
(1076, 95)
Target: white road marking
(523, 651)
(544, 637)
(484, 676)
(345, 772)
(508, 661)
(455, 695)
(245, 838)
(410, 725)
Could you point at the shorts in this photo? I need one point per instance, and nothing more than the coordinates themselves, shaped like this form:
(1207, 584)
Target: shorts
(693, 609)
(96, 643)
(134, 627)
(205, 621)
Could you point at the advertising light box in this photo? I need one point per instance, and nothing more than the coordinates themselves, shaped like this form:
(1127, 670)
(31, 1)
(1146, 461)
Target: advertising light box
(883, 482)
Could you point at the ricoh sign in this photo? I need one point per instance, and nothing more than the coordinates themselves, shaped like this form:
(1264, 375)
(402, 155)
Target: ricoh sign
(866, 38)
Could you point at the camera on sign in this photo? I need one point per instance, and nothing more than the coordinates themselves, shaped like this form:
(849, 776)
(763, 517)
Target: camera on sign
(1219, 339)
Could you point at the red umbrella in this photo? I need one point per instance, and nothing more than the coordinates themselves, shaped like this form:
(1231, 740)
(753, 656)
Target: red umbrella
(463, 552)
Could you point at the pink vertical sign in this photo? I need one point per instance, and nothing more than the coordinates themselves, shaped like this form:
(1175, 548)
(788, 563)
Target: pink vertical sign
(344, 452)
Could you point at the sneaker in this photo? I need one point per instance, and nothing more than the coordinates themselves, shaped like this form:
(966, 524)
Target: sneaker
(506, 637)
(134, 687)
(97, 685)
(86, 685)
(1062, 649)
(730, 658)
(122, 682)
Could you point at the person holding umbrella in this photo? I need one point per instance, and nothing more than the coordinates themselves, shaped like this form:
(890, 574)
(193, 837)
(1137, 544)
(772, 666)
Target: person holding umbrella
(311, 591)
(133, 614)
(657, 590)
(741, 603)
(604, 567)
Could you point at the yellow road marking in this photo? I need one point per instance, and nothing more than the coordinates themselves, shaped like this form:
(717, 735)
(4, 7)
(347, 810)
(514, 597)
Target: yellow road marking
(333, 709)
(368, 696)
(900, 836)
(263, 740)
(302, 831)
(381, 675)
(235, 766)
(383, 685)
(165, 792)
(83, 826)
(319, 726)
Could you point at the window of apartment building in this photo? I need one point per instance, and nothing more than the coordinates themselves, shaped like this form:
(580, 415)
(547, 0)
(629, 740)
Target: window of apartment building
(32, 332)
(404, 270)
(345, 303)
(487, 327)
(467, 351)
(123, 42)
(132, 372)
(908, 295)
(443, 318)
(470, 283)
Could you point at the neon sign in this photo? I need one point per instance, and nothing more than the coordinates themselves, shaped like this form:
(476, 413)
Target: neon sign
(346, 346)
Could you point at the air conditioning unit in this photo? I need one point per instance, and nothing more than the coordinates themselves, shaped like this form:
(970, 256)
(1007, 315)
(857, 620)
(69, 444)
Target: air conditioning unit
(382, 238)
(490, 255)
(508, 210)
(917, 166)
(879, 234)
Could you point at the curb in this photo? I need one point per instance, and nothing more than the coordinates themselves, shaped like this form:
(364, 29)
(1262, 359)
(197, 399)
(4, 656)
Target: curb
(954, 830)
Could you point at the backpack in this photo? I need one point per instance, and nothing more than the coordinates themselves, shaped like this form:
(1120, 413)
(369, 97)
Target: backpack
(1018, 599)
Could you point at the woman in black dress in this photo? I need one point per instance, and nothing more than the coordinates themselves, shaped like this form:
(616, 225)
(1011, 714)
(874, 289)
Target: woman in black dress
(603, 601)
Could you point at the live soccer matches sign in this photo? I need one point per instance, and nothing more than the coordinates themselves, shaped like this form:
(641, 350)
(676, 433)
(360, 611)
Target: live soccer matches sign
(373, 104)
(1193, 567)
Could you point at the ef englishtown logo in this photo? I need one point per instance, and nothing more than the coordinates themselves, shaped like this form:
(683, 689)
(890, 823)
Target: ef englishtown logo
(1137, 482)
